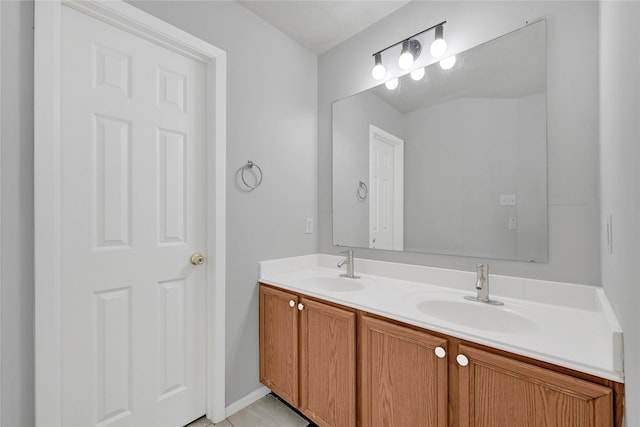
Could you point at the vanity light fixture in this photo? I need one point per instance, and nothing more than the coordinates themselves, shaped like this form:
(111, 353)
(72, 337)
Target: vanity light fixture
(411, 49)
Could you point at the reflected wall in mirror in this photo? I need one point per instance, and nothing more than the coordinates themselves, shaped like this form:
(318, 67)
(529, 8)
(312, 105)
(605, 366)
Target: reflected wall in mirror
(454, 163)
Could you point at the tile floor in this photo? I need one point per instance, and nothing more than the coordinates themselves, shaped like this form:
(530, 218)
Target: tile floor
(266, 412)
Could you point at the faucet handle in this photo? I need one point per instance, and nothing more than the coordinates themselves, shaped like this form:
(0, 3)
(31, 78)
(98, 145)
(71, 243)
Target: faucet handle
(348, 252)
(482, 270)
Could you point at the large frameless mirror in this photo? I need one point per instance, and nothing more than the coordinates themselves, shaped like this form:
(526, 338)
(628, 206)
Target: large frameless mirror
(453, 163)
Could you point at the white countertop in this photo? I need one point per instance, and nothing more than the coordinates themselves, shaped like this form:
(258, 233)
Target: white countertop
(565, 324)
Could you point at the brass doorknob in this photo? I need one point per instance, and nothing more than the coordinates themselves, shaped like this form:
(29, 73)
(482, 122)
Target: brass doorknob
(197, 259)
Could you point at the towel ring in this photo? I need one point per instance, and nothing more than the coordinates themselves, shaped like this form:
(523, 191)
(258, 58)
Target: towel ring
(249, 166)
(363, 191)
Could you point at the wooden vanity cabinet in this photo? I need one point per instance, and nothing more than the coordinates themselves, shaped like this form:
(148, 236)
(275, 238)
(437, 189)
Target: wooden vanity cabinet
(403, 376)
(308, 356)
(410, 377)
(497, 391)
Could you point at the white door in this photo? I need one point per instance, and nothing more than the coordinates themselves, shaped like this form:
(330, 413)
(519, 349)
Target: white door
(386, 211)
(132, 213)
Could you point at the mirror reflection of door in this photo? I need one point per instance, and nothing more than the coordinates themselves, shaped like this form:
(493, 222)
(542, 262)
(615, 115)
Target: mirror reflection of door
(386, 177)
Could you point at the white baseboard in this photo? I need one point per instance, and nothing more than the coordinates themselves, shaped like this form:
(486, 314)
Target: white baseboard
(246, 401)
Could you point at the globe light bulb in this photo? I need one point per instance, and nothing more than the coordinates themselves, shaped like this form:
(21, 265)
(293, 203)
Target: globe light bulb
(392, 84)
(448, 62)
(378, 70)
(417, 74)
(438, 48)
(405, 61)
(406, 57)
(439, 45)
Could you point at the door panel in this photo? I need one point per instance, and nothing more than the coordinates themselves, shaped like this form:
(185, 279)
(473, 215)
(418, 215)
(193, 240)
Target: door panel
(133, 211)
(171, 183)
(113, 182)
(113, 338)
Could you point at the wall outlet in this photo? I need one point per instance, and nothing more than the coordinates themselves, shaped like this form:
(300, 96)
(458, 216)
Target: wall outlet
(513, 224)
(308, 226)
(507, 200)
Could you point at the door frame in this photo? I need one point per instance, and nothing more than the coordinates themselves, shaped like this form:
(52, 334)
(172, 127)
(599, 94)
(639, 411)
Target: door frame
(1, 284)
(47, 190)
(398, 183)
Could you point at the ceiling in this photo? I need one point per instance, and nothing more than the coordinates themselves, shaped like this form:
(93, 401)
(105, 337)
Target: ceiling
(321, 25)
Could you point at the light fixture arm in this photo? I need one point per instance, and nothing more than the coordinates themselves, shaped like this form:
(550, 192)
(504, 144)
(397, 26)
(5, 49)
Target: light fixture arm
(412, 36)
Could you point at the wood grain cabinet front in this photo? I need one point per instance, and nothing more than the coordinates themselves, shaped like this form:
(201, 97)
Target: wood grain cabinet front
(403, 376)
(496, 391)
(308, 356)
(279, 343)
(328, 364)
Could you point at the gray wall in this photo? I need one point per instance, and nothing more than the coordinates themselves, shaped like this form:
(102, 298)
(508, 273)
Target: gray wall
(271, 111)
(572, 96)
(620, 180)
(16, 194)
(531, 158)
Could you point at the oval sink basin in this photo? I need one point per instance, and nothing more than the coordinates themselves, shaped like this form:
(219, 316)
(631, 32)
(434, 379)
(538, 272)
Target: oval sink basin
(477, 315)
(338, 284)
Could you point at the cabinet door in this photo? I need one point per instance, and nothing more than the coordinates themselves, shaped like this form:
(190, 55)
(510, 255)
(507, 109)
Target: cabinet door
(496, 391)
(403, 380)
(279, 343)
(328, 364)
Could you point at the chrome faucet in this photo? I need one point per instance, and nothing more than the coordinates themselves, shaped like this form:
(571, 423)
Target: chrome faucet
(349, 261)
(482, 286)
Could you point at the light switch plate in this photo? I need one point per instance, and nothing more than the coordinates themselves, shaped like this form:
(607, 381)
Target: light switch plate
(308, 226)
